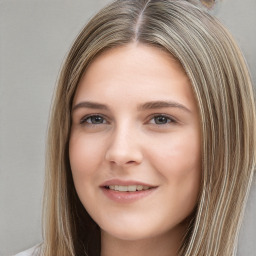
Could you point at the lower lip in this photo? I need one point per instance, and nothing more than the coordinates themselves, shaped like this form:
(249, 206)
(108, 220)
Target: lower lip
(127, 197)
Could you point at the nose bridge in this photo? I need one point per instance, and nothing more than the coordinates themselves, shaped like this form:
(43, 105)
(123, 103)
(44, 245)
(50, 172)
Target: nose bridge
(124, 146)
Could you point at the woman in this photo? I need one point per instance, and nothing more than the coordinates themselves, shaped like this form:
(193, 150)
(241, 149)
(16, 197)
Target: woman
(152, 136)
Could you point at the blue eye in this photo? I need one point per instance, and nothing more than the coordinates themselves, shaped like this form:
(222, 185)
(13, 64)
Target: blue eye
(161, 120)
(94, 119)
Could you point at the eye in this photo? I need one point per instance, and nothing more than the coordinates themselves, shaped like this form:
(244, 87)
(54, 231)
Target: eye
(161, 120)
(93, 119)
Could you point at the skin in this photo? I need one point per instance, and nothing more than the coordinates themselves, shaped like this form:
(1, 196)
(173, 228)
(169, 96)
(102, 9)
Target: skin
(128, 142)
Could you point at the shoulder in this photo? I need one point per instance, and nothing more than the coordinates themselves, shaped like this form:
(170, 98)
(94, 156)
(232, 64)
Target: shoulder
(34, 251)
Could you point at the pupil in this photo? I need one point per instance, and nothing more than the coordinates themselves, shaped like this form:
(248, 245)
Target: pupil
(161, 120)
(97, 120)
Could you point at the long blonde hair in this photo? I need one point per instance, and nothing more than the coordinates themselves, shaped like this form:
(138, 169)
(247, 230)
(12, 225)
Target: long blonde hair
(223, 90)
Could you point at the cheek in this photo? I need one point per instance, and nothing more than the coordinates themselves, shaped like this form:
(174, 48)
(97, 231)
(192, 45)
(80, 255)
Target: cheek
(85, 158)
(178, 154)
(84, 154)
(178, 160)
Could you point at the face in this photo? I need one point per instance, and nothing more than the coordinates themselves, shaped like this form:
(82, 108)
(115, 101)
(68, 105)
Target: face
(135, 143)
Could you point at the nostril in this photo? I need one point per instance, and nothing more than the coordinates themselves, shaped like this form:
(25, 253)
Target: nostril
(130, 162)
(123, 163)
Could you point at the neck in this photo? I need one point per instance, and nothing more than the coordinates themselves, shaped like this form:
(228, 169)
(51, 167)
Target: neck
(162, 245)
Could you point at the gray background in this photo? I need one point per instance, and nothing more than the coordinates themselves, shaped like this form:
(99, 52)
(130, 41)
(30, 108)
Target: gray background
(35, 35)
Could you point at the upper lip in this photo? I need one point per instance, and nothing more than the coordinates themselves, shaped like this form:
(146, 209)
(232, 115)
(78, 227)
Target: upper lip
(124, 183)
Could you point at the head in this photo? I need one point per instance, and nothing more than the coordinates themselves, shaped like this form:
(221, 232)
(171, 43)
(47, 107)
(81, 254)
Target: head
(222, 90)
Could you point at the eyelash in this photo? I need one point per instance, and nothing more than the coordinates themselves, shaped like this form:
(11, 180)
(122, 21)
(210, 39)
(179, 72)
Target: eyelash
(170, 120)
(84, 120)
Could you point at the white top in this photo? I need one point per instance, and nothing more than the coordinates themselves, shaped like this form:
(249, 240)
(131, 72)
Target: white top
(30, 252)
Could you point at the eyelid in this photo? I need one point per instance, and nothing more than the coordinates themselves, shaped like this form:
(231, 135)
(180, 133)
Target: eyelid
(82, 121)
(171, 118)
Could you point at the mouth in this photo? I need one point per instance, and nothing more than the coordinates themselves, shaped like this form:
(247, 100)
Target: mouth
(121, 191)
(130, 188)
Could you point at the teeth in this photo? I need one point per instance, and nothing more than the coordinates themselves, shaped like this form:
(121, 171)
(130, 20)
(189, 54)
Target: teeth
(123, 188)
(130, 188)
(139, 188)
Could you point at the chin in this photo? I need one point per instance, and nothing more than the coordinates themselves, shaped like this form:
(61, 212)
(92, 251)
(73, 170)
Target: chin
(133, 230)
(129, 235)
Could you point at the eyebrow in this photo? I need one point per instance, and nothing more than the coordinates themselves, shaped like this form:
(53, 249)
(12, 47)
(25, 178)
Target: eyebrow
(162, 104)
(145, 106)
(89, 104)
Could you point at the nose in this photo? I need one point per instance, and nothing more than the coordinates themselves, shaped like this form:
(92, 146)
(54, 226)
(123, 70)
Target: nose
(124, 149)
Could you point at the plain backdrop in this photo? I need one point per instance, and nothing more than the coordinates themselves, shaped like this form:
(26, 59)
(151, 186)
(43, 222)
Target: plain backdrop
(35, 36)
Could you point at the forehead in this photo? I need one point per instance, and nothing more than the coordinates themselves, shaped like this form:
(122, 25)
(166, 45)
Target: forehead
(133, 54)
(134, 71)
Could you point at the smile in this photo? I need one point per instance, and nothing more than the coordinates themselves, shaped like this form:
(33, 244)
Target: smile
(130, 188)
(121, 191)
